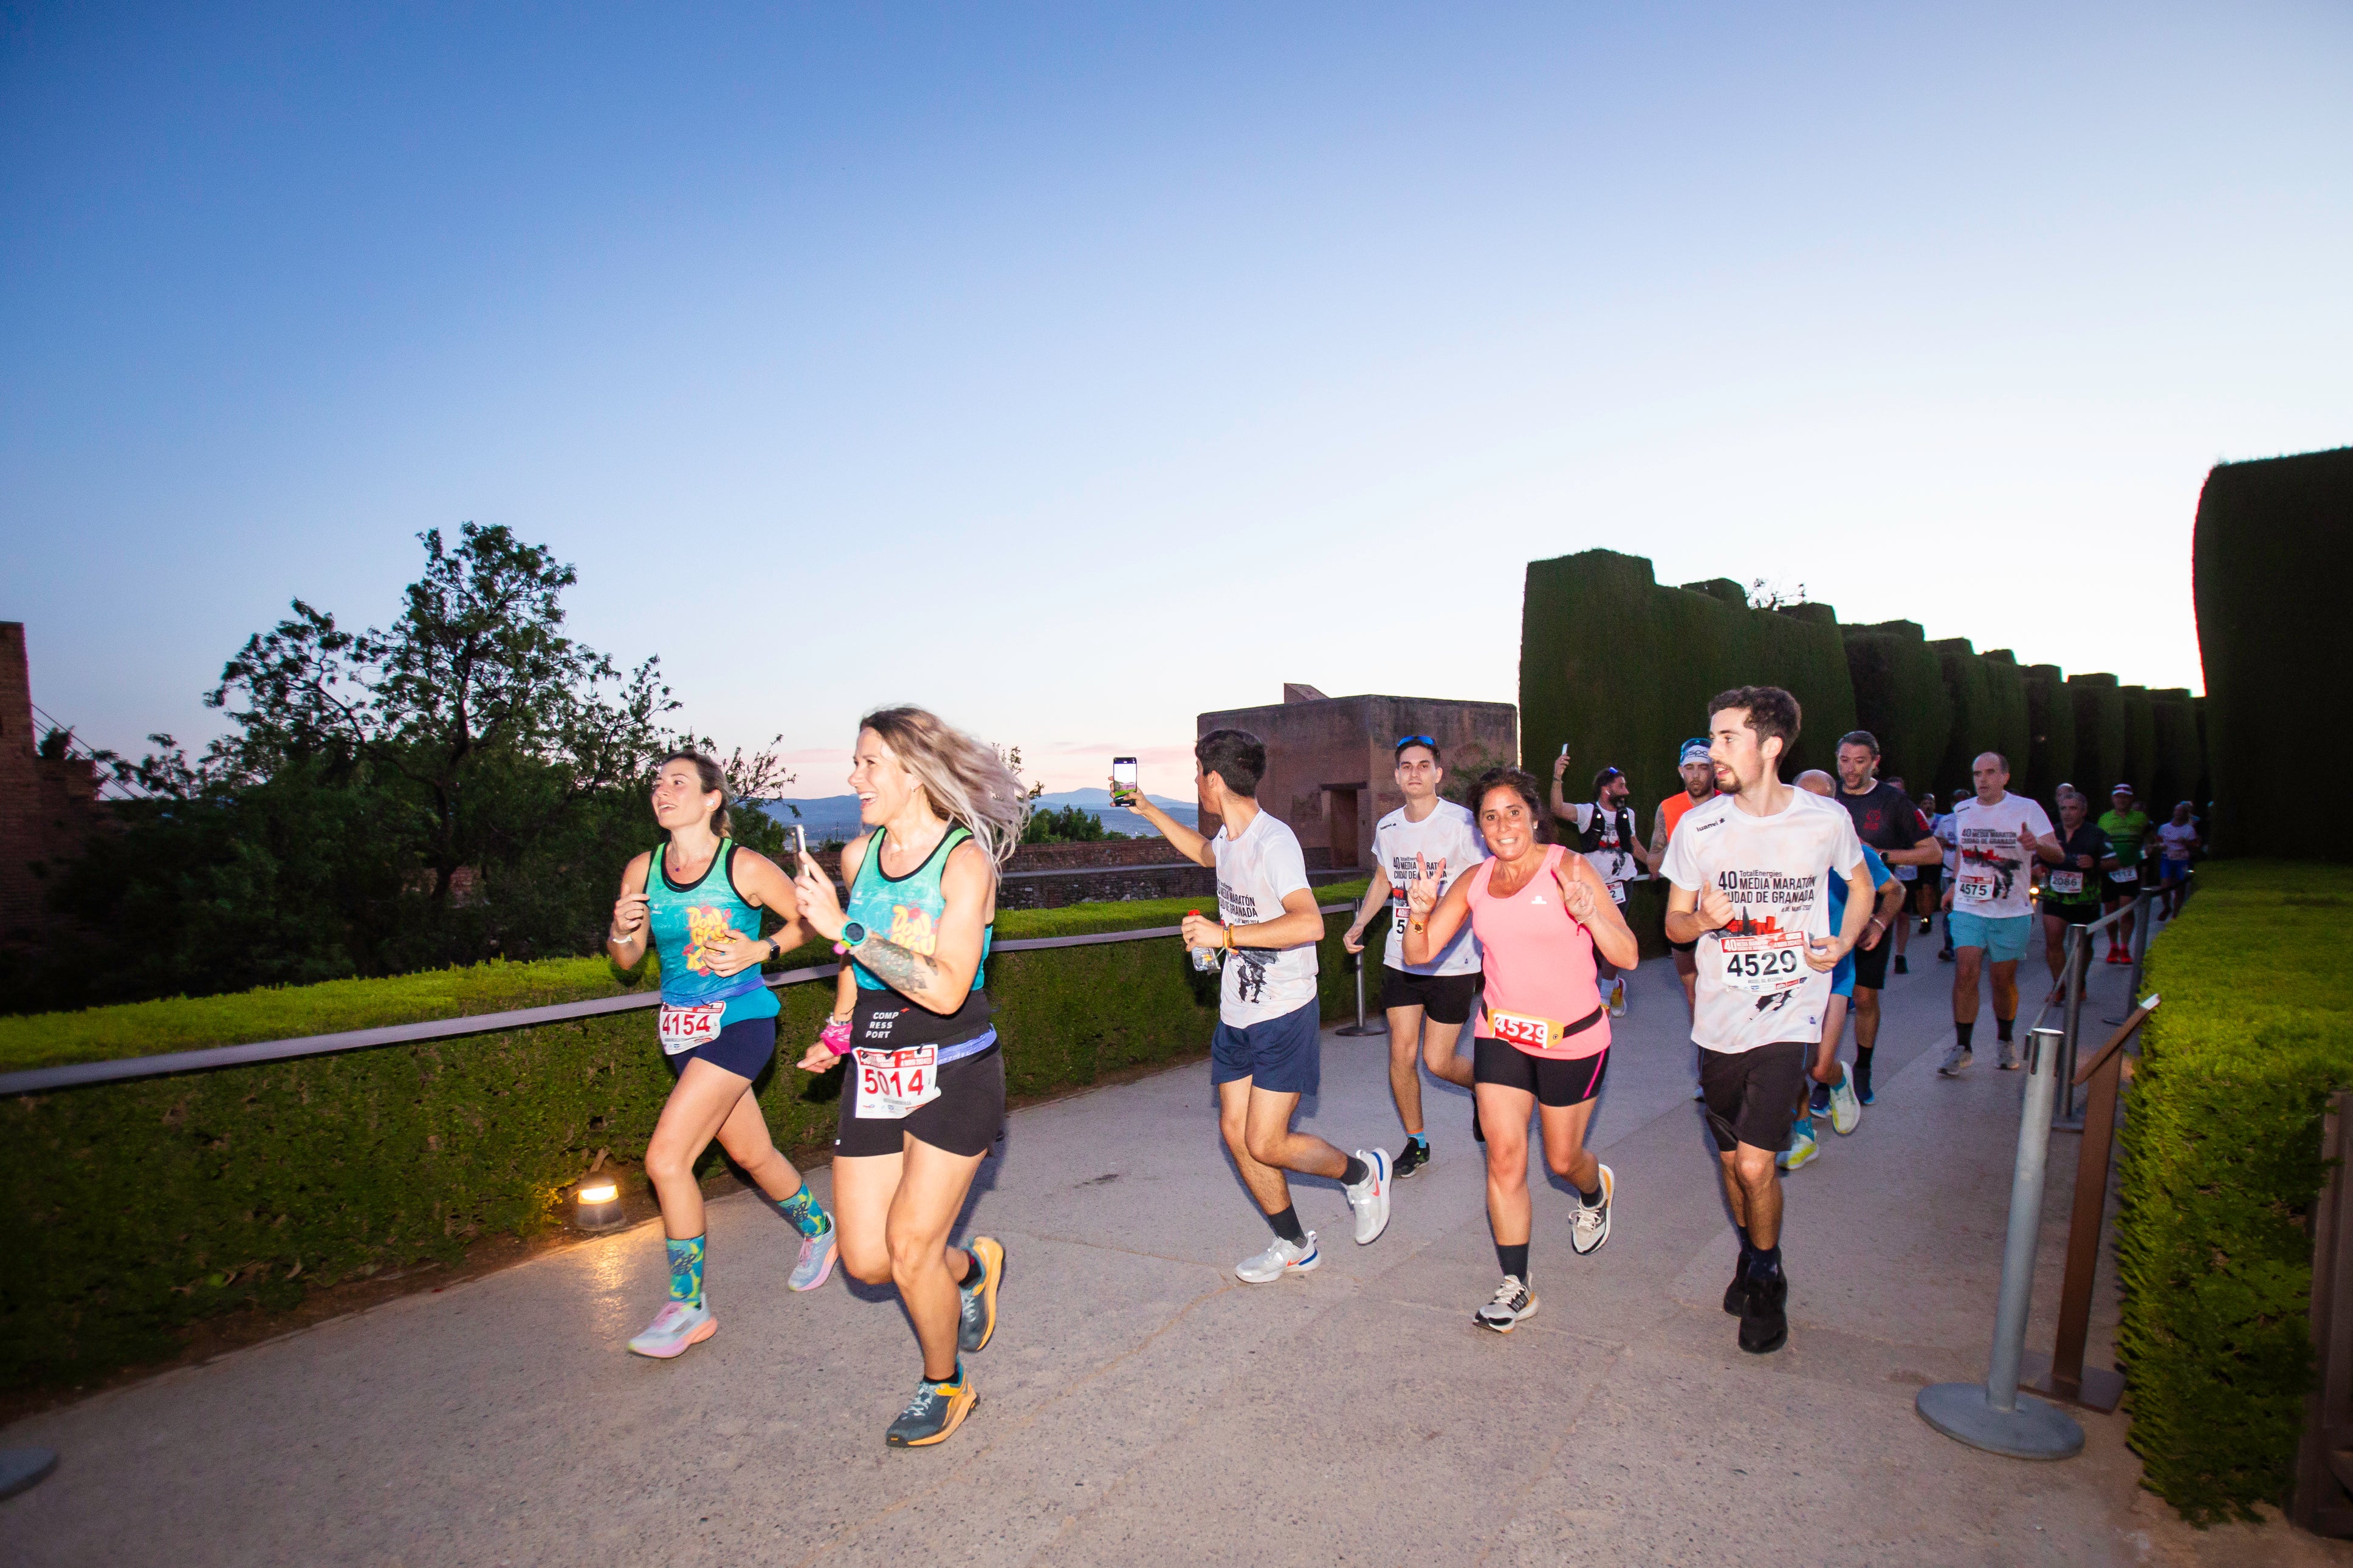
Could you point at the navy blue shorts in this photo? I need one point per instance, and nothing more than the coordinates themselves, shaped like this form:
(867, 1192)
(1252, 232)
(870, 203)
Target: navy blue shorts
(743, 1049)
(1281, 1056)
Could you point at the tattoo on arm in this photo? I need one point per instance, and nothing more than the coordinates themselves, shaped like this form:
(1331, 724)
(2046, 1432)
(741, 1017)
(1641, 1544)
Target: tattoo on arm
(909, 973)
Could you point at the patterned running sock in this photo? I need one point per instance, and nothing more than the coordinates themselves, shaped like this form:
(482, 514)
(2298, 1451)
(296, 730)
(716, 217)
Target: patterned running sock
(686, 1270)
(808, 1216)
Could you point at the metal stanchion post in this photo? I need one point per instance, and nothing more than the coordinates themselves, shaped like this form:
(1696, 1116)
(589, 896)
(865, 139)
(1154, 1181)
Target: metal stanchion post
(1992, 1415)
(2079, 939)
(2143, 901)
(1360, 1027)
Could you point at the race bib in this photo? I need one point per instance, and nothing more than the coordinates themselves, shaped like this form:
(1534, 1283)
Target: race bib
(1974, 888)
(2125, 874)
(1519, 1029)
(1765, 962)
(1907, 873)
(1397, 905)
(684, 1029)
(892, 1083)
(1617, 892)
(2070, 883)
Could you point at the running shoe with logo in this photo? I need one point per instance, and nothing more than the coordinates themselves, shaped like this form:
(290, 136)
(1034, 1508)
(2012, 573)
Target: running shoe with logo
(816, 1260)
(1590, 1226)
(976, 1299)
(1802, 1147)
(1956, 1062)
(1412, 1158)
(936, 1412)
(1370, 1197)
(1280, 1258)
(675, 1329)
(1512, 1305)
(1846, 1106)
(1764, 1318)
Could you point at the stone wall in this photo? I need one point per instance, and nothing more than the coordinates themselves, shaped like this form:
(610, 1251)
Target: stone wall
(49, 806)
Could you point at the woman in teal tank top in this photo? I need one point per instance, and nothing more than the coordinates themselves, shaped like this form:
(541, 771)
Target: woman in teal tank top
(923, 1095)
(700, 898)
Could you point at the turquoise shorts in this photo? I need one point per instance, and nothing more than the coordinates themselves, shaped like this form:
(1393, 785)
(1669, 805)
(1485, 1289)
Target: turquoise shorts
(2004, 940)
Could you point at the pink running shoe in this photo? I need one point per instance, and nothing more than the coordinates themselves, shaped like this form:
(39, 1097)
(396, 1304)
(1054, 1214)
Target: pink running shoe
(674, 1329)
(815, 1261)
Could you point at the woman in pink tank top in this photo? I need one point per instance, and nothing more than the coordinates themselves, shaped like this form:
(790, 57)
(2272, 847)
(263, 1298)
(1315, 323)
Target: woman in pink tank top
(1541, 913)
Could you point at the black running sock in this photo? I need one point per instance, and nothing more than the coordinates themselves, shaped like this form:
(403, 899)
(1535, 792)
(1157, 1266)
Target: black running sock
(1766, 1263)
(1862, 1062)
(1286, 1225)
(1962, 1032)
(1514, 1259)
(1747, 1250)
(1592, 1199)
(975, 1271)
(1356, 1171)
(2002, 1028)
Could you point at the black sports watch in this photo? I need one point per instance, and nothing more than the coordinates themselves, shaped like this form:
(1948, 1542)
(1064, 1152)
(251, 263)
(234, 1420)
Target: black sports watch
(852, 934)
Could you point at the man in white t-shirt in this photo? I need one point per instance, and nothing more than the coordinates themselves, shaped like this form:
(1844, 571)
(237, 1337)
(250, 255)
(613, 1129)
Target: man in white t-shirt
(1606, 836)
(1427, 1004)
(1268, 1047)
(1749, 876)
(1996, 836)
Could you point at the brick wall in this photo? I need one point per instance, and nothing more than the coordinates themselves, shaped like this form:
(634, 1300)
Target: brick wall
(49, 806)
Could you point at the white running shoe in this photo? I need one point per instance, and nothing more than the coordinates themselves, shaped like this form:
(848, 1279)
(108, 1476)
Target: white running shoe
(1370, 1197)
(1590, 1226)
(1280, 1258)
(1846, 1109)
(1512, 1305)
(816, 1260)
(1618, 997)
(1802, 1147)
(675, 1327)
(1956, 1062)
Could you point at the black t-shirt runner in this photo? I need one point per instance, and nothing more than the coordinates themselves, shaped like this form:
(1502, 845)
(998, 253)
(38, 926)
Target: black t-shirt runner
(2068, 884)
(1885, 817)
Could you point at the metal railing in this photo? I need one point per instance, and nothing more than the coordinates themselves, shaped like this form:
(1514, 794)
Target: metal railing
(2068, 1118)
(77, 1075)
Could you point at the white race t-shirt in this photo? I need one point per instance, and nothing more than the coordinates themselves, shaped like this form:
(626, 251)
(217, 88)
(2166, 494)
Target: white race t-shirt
(2177, 837)
(1255, 873)
(1754, 986)
(1610, 858)
(1994, 870)
(1447, 833)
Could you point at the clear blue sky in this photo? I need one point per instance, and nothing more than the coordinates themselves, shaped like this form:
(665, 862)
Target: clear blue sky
(1073, 370)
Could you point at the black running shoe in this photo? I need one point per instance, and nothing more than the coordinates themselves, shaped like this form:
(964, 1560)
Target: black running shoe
(1736, 1295)
(1902, 967)
(1478, 1134)
(1412, 1158)
(1946, 956)
(1765, 1324)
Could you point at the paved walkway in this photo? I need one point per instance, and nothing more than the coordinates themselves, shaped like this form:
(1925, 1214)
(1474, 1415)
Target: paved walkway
(1141, 1404)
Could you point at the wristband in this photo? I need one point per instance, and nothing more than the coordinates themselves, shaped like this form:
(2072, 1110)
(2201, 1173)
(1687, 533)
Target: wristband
(835, 1037)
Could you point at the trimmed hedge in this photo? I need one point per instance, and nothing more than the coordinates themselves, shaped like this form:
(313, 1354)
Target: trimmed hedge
(2013, 728)
(1900, 698)
(2178, 761)
(2140, 749)
(2272, 553)
(130, 1210)
(2050, 720)
(1970, 691)
(2221, 1166)
(2099, 733)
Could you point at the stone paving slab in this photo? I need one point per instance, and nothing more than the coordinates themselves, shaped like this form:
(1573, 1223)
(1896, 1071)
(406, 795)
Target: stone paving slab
(1140, 1403)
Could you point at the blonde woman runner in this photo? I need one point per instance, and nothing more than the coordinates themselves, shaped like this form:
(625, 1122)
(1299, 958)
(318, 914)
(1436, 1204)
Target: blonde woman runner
(700, 898)
(924, 1096)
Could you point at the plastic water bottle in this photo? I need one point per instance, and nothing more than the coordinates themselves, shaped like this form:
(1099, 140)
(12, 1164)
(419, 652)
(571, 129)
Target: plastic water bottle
(1206, 958)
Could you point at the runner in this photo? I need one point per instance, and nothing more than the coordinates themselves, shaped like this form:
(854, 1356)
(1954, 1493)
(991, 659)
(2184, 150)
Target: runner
(924, 1095)
(1746, 874)
(2128, 827)
(1910, 877)
(1836, 1093)
(2180, 841)
(1427, 1004)
(1942, 827)
(1932, 877)
(1989, 909)
(2071, 889)
(1699, 787)
(1605, 833)
(1885, 820)
(1541, 916)
(701, 897)
(1268, 1047)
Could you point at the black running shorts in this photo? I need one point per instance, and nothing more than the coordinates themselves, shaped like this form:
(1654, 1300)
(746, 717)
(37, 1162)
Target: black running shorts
(965, 1120)
(1442, 998)
(1554, 1081)
(1752, 1096)
(1870, 963)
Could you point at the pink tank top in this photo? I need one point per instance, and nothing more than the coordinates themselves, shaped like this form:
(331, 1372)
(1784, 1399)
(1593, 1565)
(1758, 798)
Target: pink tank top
(1539, 967)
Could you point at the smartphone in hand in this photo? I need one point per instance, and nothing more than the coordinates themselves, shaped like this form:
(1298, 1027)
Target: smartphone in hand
(1123, 781)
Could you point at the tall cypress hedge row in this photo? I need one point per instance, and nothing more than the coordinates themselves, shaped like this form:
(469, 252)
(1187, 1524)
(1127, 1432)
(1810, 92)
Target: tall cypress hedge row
(2099, 733)
(2051, 720)
(2140, 747)
(1899, 697)
(2179, 762)
(1621, 669)
(2013, 728)
(1970, 689)
(2270, 556)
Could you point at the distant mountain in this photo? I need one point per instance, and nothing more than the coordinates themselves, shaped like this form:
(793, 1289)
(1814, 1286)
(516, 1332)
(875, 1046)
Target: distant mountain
(835, 816)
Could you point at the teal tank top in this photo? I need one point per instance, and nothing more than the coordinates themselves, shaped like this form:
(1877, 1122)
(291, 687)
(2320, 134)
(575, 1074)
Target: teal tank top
(686, 919)
(907, 910)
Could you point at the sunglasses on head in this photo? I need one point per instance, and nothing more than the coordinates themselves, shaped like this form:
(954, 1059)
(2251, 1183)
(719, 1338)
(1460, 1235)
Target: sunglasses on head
(1405, 741)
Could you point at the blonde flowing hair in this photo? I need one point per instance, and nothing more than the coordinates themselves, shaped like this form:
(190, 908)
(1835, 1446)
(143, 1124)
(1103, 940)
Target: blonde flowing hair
(965, 781)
